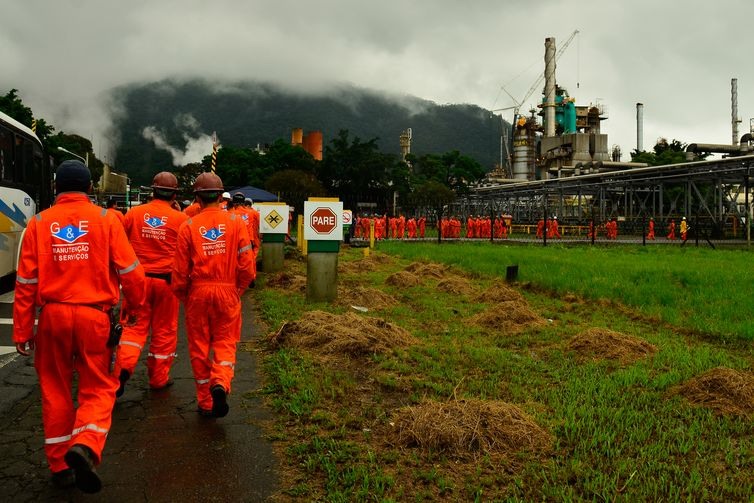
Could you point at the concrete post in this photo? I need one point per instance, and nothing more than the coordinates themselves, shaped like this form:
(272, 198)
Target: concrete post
(321, 276)
(272, 256)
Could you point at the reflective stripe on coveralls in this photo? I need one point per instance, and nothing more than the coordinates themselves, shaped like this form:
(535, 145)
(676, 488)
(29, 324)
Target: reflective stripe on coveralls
(77, 254)
(153, 231)
(209, 251)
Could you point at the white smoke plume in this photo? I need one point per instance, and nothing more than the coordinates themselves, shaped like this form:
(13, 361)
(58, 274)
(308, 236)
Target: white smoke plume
(197, 145)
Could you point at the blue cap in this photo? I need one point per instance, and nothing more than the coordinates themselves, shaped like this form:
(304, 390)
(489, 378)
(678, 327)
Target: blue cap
(72, 176)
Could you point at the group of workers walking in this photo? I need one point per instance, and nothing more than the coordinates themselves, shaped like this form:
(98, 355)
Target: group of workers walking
(75, 260)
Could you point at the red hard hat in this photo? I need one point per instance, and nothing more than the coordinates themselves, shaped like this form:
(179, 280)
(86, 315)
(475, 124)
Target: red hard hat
(208, 182)
(165, 180)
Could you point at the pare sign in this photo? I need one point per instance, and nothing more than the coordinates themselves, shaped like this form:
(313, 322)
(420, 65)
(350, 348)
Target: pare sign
(323, 220)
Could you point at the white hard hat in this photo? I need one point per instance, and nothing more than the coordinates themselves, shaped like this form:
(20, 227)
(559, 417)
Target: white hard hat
(684, 218)
(555, 217)
(226, 195)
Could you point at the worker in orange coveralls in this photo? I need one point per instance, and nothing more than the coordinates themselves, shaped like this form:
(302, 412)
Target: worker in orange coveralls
(74, 256)
(671, 230)
(422, 223)
(540, 228)
(213, 266)
(411, 227)
(251, 218)
(684, 229)
(651, 231)
(469, 227)
(152, 229)
(193, 209)
(111, 208)
(555, 229)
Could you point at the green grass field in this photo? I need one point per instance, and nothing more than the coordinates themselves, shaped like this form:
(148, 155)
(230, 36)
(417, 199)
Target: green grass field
(619, 432)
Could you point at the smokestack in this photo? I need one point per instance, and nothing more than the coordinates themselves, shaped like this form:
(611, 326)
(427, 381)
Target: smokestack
(640, 127)
(734, 109)
(549, 104)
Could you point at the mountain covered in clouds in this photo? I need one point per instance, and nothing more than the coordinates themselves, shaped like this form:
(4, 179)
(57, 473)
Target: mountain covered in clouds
(169, 123)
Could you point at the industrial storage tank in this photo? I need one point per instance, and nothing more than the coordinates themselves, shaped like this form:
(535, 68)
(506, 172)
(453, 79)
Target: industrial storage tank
(524, 153)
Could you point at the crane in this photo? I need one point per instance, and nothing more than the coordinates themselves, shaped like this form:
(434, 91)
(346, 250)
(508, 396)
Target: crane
(541, 77)
(517, 104)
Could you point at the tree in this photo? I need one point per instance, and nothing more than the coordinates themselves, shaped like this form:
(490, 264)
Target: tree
(664, 153)
(355, 170)
(451, 169)
(295, 186)
(11, 105)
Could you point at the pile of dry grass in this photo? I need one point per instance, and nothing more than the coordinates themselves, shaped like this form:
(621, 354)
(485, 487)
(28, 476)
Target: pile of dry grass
(455, 285)
(366, 264)
(724, 390)
(426, 270)
(366, 297)
(468, 427)
(345, 334)
(286, 281)
(499, 293)
(601, 343)
(403, 279)
(511, 316)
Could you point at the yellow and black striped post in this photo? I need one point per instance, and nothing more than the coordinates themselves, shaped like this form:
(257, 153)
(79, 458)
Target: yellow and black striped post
(34, 126)
(214, 151)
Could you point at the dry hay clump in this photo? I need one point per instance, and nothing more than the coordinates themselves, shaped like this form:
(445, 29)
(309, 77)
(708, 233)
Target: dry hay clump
(365, 297)
(510, 316)
(286, 281)
(425, 270)
(468, 427)
(366, 264)
(499, 293)
(606, 344)
(403, 279)
(348, 334)
(724, 390)
(455, 285)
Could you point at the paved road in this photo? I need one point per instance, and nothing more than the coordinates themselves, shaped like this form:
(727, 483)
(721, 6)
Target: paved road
(159, 448)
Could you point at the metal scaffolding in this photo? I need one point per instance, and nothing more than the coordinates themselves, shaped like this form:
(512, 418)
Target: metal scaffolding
(714, 192)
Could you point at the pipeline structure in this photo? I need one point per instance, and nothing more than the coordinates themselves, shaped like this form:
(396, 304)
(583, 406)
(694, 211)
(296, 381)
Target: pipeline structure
(562, 167)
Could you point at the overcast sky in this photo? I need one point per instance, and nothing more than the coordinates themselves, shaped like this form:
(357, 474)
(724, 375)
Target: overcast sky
(676, 57)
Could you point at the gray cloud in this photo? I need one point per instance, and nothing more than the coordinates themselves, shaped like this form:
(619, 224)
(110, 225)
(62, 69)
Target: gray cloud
(677, 59)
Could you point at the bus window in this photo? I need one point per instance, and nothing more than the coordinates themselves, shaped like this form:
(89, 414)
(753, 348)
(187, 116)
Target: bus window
(26, 174)
(6, 154)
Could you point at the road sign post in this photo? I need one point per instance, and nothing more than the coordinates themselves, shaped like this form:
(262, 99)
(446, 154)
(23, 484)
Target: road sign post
(273, 227)
(323, 230)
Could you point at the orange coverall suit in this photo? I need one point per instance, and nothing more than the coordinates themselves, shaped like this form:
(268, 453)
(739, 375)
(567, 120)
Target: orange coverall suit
(121, 218)
(213, 265)
(73, 257)
(152, 229)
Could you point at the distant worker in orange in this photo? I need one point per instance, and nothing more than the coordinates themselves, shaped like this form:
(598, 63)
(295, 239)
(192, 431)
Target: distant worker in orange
(540, 228)
(213, 266)
(555, 231)
(422, 223)
(411, 226)
(684, 229)
(243, 207)
(74, 257)
(152, 229)
(671, 230)
(651, 231)
(112, 208)
(469, 227)
(193, 209)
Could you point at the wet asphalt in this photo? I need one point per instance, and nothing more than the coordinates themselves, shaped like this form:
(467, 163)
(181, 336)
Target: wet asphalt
(159, 449)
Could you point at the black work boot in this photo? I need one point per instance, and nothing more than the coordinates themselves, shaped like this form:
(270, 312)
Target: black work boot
(219, 401)
(81, 459)
(63, 478)
(123, 378)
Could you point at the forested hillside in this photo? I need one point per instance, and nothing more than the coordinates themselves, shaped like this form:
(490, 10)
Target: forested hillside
(250, 113)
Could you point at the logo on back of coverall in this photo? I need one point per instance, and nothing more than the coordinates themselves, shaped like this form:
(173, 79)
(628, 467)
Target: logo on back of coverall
(213, 244)
(71, 248)
(152, 229)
